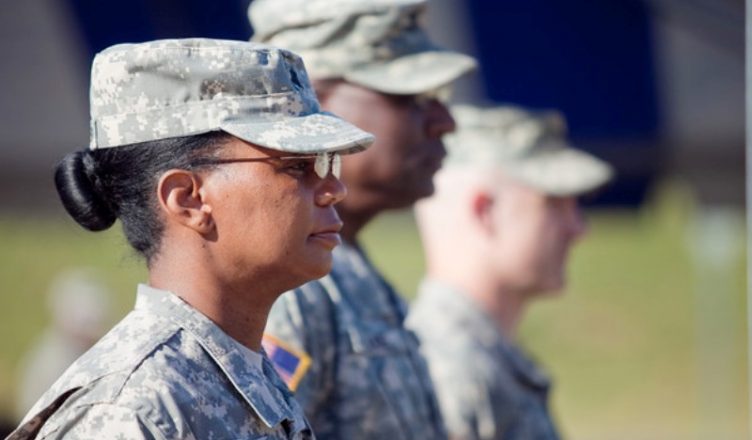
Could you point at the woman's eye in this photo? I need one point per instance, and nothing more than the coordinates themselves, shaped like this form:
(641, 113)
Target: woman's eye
(299, 166)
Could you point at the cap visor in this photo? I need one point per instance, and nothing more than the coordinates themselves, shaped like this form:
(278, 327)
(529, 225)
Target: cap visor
(562, 172)
(413, 74)
(315, 133)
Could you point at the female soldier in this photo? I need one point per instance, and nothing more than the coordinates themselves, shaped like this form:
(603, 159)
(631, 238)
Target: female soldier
(216, 159)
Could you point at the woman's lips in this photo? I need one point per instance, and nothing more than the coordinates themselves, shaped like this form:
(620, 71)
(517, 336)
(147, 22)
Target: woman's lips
(328, 237)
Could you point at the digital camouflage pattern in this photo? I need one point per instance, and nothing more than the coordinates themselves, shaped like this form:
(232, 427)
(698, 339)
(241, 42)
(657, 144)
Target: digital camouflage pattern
(530, 147)
(367, 379)
(378, 44)
(487, 389)
(167, 372)
(170, 88)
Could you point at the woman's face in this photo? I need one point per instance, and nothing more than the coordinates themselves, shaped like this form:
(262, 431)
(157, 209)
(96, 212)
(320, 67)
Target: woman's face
(275, 219)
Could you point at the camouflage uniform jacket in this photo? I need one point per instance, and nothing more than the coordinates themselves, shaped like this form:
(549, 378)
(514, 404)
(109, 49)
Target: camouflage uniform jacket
(167, 372)
(367, 379)
(487, 388)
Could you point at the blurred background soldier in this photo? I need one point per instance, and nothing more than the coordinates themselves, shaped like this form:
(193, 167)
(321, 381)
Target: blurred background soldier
(496, 236)
(80, 307)
(340, 341)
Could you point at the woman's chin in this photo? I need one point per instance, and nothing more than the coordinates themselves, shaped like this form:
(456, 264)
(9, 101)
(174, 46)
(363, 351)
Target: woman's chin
(318, 268)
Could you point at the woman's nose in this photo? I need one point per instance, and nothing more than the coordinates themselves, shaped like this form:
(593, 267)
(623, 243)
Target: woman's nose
(331, 191)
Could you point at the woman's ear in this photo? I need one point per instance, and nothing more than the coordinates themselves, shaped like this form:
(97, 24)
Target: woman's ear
(181, 200)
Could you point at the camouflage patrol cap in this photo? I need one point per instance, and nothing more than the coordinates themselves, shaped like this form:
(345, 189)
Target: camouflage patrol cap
(170, 88)
(378, 44)
(529, 147)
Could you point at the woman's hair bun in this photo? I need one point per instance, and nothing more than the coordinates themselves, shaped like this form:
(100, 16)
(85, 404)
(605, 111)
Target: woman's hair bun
(80, 191)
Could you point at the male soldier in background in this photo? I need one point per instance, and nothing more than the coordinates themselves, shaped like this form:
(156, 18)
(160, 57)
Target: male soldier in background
(496, 236)
(340, 341)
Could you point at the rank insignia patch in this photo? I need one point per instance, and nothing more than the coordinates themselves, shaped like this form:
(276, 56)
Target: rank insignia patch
(291, 364)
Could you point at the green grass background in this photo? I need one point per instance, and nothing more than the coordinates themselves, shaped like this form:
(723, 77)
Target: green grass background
(633, 352)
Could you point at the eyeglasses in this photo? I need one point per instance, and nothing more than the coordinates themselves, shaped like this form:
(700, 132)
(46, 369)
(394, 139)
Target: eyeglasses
(323, 162)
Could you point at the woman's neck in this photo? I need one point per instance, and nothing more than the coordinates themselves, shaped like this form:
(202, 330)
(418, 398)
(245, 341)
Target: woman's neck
(240, 309)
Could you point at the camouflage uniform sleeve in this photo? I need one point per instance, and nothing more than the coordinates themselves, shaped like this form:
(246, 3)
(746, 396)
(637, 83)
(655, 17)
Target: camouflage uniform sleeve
(471, 411)
(304, 319)
(459, 399)
(103, 420)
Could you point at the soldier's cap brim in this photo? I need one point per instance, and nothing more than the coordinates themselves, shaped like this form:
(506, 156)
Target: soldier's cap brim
(314, 133)
(414, 73)
(561, 172)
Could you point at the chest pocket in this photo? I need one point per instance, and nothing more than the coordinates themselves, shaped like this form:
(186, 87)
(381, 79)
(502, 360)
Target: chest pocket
(383, 363)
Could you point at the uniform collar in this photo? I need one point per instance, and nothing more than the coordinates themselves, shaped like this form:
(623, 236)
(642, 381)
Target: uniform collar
(372, 295)
(346, 255)
(249, 372)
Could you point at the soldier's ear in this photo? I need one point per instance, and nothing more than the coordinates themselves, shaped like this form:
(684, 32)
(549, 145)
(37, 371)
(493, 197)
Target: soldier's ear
(182, 200)
(482, 206)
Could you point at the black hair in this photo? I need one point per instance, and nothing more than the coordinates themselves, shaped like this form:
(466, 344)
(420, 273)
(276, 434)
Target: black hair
(100, 186)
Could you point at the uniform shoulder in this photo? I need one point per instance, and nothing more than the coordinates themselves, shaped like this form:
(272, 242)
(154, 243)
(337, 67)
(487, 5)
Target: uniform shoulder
(297, 309)
(101, 373)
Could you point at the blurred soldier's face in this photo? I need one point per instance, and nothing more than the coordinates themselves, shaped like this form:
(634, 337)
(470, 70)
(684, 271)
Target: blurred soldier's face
(398, 168)
(534, 233)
